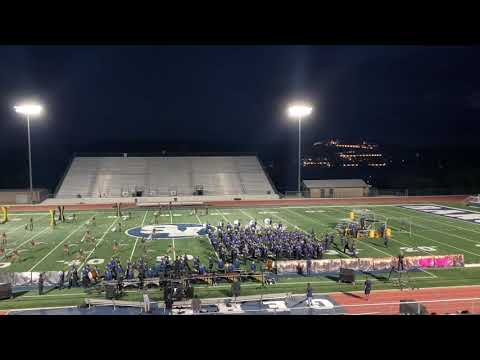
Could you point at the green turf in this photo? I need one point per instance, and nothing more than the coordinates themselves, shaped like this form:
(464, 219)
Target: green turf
(431, 234)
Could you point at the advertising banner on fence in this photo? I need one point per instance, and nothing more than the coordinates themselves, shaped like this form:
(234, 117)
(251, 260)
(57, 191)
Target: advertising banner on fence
(371, 264)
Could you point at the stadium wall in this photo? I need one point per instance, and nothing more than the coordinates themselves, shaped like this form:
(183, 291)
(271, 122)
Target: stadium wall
(386, 200)
(20, 196)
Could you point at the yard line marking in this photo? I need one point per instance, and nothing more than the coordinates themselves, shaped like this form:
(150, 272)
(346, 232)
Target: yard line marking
(210, 241)
(56, 247)
(448, 222)
(97, 244)
(429, 273)
(304, 231)
(442, 243)
(363, 242)
(173, 241)
(15, 229)
(326, 214)
(425, 251)
(221, 213)
(314, 221)
(136, 238)
(29, 239)
(448, 234)
(427, 218)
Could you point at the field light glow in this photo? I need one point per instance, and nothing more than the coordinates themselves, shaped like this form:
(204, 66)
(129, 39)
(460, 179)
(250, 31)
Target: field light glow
(299, 110)
(29, 109)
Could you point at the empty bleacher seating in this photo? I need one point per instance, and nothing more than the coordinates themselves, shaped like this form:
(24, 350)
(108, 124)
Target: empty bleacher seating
(91, 177)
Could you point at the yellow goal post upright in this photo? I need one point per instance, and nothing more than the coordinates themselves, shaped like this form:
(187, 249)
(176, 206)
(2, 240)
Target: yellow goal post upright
(4, 218)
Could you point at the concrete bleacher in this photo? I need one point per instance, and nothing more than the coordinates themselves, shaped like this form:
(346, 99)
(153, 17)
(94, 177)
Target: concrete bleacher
(157, 177)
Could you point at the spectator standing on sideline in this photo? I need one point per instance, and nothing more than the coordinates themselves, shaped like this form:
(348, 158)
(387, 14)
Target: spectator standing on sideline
(309, 267)
(368, 288)
(146, 302)
(236, 289)
(196, 305)
(309, 295)
(40, 284)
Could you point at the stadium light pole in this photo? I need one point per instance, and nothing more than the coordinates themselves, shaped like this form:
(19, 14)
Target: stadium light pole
(299, 111)
(29, 110)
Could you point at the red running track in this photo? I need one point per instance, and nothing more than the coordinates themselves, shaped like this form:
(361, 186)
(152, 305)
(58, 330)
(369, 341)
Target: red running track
(438, 300)
(299, 202)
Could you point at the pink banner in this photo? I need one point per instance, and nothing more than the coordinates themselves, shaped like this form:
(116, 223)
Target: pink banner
(370, 264)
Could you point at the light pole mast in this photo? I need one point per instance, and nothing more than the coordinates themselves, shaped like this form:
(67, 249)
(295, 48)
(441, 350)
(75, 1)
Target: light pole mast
(299, 155)
(299, 111)
(30, 157)
(29, 110)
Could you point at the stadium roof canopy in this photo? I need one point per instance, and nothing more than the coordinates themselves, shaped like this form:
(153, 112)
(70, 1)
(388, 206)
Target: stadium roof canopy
(336, 183)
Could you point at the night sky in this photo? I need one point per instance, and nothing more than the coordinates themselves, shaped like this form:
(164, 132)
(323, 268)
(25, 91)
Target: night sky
(231, 98)
(237, 94)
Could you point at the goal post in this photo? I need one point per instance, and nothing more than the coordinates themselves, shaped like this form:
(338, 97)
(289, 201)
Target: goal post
(401, 225)
(356, 214)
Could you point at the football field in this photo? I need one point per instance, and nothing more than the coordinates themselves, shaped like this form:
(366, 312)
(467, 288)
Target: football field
(424, 234)
(44, 248)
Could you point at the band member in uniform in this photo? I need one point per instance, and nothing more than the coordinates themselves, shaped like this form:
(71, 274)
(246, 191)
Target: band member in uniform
(94, 221)
(346, 246)
(2, 251)
(30, 224)
(61, 281)
(66, 249)
(119, 227)
(33, 243)
(74, 218)
(87, 236)
(143, 244)
(4, 240)
(309, 295)
(400, 261)
(115, 246)
(80, 254)
(15, 255)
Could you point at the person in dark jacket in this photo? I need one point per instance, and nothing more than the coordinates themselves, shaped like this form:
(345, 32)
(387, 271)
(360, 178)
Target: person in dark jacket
(309, 294)
(40, 283)
(367, 288)
(61, 280)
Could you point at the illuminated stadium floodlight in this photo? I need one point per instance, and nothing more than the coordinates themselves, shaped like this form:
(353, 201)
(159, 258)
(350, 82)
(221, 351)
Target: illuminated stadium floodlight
(29, 110)
(299, 111)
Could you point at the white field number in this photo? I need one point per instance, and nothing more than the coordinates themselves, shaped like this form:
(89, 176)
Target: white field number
(322, 304)
(419, 249)
(276, 306)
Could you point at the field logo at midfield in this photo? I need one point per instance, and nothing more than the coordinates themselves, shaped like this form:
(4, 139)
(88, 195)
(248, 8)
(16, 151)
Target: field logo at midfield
(168, 231)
